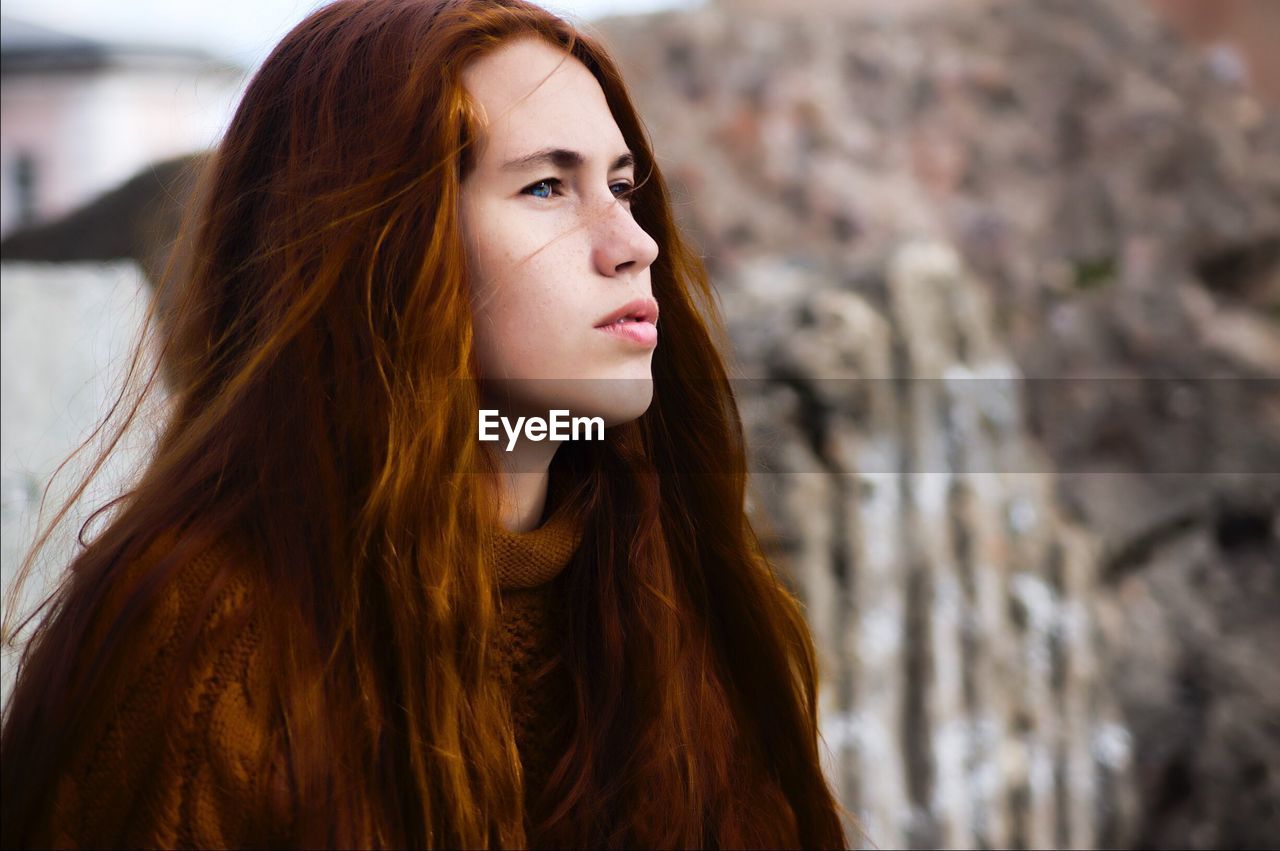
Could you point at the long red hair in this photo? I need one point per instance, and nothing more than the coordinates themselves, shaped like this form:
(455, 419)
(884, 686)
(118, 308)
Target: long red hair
(317, 347)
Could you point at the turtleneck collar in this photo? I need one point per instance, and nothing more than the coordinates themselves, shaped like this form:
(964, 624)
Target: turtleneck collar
(533, 558)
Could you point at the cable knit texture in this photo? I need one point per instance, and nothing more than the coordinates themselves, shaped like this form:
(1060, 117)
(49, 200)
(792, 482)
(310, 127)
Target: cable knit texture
(531, 633)
(186, 778)
(178, 778)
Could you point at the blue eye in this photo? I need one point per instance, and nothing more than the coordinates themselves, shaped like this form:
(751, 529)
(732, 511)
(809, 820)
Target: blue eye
(625, 194)
(548, 182)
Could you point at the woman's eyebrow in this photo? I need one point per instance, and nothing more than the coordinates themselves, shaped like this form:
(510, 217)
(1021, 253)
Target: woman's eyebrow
(564, 159)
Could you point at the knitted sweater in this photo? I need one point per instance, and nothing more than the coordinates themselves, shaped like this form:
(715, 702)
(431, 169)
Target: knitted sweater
(531, 633)
(133, 785)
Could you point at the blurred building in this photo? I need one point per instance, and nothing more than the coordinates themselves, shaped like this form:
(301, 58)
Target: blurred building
(78, 115)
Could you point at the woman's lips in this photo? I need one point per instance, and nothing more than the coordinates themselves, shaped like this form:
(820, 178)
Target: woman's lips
(638, 333)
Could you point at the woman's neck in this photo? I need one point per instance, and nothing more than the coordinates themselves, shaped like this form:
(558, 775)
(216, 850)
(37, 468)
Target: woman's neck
(524, 496)
(525, 476)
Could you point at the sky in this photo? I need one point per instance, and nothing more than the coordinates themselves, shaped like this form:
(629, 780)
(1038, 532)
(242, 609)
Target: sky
(241, 30)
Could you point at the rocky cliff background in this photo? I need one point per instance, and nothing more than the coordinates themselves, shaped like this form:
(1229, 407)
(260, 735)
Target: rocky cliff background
(1012, 270)
(1003, 286)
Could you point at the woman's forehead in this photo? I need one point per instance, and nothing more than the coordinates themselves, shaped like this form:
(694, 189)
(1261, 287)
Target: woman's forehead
(532, 97)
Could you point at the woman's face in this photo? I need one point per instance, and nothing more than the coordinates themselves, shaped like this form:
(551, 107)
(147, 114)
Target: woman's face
(552, 247)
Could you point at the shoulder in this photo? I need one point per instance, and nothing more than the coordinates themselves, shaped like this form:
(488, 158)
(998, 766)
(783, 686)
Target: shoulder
(180, 743)
(181, 618)
(175, 588)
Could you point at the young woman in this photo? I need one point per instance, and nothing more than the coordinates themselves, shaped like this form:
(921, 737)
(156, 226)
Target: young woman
(329, 614)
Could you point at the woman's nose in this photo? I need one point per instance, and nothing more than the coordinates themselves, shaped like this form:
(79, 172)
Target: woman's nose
(620, 241)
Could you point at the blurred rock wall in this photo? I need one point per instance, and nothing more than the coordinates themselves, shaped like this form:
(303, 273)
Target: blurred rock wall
(1009, 276)
(952, 603)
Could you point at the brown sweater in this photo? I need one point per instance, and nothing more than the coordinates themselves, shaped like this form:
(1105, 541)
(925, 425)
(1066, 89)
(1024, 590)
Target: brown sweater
(128, 788)
(531, 632)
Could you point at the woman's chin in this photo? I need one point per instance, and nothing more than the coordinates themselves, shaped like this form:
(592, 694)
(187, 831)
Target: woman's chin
(615, 400)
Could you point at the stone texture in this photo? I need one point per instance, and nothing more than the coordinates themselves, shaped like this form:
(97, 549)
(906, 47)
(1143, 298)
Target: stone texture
(1113, 195)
